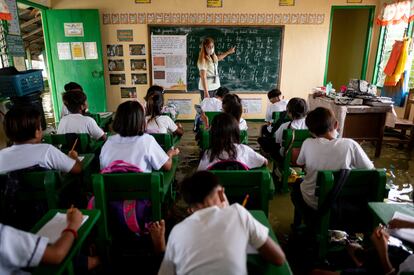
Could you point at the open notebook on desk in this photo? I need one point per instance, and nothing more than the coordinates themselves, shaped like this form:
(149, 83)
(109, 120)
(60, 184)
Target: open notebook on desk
(54, 227)
(406, 234)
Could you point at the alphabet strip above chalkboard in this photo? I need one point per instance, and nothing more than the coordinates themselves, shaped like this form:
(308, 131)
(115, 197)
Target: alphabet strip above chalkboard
(215, 18)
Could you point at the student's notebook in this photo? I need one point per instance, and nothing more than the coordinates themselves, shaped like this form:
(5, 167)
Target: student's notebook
(54, 227)
(406, 234)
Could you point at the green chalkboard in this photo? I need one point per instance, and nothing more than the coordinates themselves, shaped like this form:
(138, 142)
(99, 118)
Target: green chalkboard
(254, 67)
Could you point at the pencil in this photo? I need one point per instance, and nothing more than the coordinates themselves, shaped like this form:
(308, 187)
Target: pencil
(74, 144)
(245, 200)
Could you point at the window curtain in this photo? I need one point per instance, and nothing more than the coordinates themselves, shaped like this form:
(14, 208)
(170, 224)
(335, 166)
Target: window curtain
(396, 12)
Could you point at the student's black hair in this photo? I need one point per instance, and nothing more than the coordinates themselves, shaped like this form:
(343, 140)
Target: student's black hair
(297, 107)
(152, 90)
(129, 119)
(154, 105)
(274, 93)
(21, 123)
(222, 91)
(320, 121)
(72, 86)
(73, 100)
(197, 187)
(232, 105)
(224, 133)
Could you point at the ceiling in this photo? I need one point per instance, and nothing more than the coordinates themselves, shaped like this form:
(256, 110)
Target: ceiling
(31, 30)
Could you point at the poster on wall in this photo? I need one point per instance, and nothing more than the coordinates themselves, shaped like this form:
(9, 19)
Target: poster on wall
(137, 49)
(138, 64)
(128, 92)
(169, 66)
(286, 2)
(117, 79)
(13, 24)
(63, 49)
(125, 35)
(116, 65)
(15, 45)
(142, 1)
(77, 50)
(91, 51)
(184, 106)
(252, 105)
(138, 79)
(73, 29)
(114, 50)
(214, 3)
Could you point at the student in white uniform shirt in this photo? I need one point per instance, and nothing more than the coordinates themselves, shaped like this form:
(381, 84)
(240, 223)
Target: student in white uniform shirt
(276, 104)
(131, 144)
(156, 121)
(232, 105)
(212, 104)
(20, 249)
(214, 238)
(23, 128)
(76, 121)
(225, 145)
(324, 152)
(71, 86)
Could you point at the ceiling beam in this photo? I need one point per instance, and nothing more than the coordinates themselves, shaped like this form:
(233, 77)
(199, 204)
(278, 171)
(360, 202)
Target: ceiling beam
(30, 22)
(26, 35)
(23, 12)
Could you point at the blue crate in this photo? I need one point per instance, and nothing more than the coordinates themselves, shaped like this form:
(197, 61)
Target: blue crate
(21, 84)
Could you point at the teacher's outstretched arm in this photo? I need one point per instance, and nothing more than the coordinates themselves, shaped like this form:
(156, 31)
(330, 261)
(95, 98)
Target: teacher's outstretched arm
(228, 52)
(203, 78)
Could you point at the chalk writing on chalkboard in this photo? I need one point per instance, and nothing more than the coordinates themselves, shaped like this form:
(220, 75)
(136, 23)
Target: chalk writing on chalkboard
(255, 66)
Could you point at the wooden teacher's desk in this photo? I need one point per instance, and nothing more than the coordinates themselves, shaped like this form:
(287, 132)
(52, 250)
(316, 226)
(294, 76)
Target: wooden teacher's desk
(359, 122)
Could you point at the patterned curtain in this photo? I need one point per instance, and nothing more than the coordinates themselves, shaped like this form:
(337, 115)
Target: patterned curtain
(396, 13)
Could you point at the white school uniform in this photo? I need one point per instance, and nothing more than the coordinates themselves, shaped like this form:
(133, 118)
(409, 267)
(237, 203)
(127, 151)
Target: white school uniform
(279, 106)
(245, 155)
(80, 124)
(64, 111)
(19, 249)
(213, 240)
(211, 69)
(297, 124)
(243, 124)
(323, 154)
(211, 104)
(23, 156)
(142, 151)
(161, 125)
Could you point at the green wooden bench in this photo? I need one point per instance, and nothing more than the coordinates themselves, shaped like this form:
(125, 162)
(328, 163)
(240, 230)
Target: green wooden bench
(102, 121)
(292, 142)
(66, 267)
(361, 187)
(166, 141)
(85, 143)
(211, 115)
(257, 183)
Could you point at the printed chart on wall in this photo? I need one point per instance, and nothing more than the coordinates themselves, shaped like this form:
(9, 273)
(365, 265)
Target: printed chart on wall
(169, 55)
(252, 105)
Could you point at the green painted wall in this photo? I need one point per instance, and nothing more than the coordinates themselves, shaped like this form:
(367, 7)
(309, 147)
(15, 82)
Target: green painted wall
(348, 40)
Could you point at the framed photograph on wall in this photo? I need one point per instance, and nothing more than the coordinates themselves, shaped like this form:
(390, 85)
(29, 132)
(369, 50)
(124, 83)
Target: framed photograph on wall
(138, 79)
(117, 79)
(137, 49)
(116, 65)
(128, 92)
(114, 50)
(138, 64)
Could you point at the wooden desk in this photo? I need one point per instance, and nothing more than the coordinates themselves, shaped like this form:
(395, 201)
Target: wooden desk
(357, 122)
(83, 232)
(255, 263)
(385, 211)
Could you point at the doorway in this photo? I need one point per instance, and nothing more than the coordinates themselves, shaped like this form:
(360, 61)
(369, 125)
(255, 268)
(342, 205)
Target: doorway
(348, 44)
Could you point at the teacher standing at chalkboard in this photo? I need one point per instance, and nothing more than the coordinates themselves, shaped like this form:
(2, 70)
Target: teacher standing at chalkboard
(208, 66)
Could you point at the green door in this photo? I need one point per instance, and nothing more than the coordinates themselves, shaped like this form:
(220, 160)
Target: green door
(74, 52)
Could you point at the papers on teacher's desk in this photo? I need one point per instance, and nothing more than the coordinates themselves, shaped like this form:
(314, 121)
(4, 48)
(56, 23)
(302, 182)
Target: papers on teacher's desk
(406, 234)
(54, 227)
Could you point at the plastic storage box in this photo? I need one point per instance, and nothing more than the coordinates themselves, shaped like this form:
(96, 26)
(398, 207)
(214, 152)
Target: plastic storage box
(21, 84)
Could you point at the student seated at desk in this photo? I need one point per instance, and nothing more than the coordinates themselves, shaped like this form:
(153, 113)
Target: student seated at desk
(211, 104)
(22, 127)
(232, 105)
(131, 144)
(324, 152)
(296, 110)
(71, 86)
(76, 121)
(20, 249)
(225, 145)
(276, 104)
(169, 109)
(214, 238)
(156, 121)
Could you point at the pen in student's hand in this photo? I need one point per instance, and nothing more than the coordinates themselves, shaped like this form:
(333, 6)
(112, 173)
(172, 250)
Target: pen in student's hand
(245, 200)
(74, 144)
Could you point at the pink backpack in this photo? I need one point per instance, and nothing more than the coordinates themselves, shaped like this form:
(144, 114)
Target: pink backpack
(131, 211)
